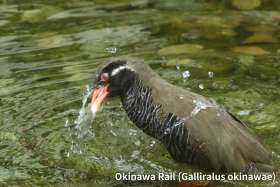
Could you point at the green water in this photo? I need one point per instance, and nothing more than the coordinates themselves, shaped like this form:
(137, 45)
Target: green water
(48, 54)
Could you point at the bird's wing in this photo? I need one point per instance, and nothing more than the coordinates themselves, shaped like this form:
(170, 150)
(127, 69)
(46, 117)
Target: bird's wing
(228, 143)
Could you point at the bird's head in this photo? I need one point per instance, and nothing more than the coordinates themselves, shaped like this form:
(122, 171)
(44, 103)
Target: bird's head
(113, 79)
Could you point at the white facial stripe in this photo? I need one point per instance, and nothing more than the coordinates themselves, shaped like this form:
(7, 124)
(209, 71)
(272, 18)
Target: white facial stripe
(116, 71)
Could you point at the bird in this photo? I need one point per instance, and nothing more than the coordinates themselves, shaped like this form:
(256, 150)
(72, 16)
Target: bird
(194, 129)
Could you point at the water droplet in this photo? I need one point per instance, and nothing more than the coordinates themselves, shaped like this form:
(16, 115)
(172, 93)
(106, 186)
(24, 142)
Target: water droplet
(201, 104)
(210, 74)
(137, 143)
(66, 123)
(190, 36)
(261, 105)
(153, 165)
(112, 50)
(113, 133)
(135, 154)
(153, 143)
(167, 131)
(201, 86)
(132, 132)
(186, 74)
(243, 113)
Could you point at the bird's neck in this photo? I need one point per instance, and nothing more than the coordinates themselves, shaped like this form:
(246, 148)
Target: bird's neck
(139, 105)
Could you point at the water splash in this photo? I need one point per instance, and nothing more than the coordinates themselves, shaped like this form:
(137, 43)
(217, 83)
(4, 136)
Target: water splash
(81, 127)
(201, 104)
(243, 113)
(210, 74)
(167, 130)
(139, 156)
(112, 50)
(201, 86)
(152, 143)
(186, 74)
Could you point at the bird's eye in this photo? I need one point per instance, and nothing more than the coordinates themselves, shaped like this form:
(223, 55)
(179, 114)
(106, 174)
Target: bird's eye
(104, 77)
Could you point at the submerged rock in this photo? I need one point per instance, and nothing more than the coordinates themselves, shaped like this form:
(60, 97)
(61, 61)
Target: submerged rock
(246, 4)
(180, 49)
(261, 37)
(3, 22)
(179, 62)
(250, 50)
(8, 136)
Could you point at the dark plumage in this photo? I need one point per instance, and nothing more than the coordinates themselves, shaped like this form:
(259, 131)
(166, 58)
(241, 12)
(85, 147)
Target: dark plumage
(194, 129)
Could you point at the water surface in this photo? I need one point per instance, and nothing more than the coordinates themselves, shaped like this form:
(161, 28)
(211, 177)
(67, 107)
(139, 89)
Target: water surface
(49, 51)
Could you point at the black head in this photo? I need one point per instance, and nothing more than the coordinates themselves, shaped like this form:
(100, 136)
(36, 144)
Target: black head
(117, 75)
(112, 80)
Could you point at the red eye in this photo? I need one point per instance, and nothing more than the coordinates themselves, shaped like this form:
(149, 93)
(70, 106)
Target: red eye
(104, 77)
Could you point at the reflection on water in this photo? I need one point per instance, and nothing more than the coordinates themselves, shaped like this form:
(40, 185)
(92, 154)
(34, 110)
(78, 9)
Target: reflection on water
(49, 51)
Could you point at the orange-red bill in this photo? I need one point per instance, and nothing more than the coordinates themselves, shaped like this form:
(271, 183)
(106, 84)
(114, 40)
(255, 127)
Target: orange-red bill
(98, 97)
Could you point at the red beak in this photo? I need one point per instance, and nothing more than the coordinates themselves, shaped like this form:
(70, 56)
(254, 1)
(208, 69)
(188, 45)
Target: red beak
(98, 97)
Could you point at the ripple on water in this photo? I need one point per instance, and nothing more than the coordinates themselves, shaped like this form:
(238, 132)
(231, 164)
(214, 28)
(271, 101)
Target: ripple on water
(49, 52)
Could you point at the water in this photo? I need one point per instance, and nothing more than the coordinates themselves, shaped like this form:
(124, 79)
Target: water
(81, 127)
(49, 52)
(210, 74)
(201, 86)
(202, 104)
(186, 74)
